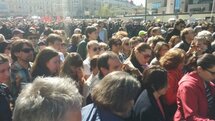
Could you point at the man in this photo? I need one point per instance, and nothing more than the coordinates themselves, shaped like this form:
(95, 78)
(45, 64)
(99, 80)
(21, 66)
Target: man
(22, 53)
(18, 33)
(187, 36)
(55, 41)
(179, 25)
(49, 99)
(91, 34)
(196, 92)
(103, 35)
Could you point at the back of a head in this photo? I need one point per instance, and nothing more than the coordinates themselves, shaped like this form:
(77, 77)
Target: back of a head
(104, 57)
(52, 38)
(206, 61)
(47, 99)
(179, 21)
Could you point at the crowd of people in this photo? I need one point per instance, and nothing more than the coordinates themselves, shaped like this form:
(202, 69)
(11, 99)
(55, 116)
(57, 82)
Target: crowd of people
(107, 71)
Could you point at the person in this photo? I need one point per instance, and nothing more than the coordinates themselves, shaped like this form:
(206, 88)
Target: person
(72, 68)
(91, 34)
(126, 49)
(22, 53)
(174, 40)
(148, 106)
(75, 39)
(138, 60)
(47, 63)
(49, 99)
(92, 50)
(113, 98)
(103, 34)
(173, 61)
(5, 47)
(115, 45)
(195, 95)
(5, 96)
(159, 50)
(178, 27)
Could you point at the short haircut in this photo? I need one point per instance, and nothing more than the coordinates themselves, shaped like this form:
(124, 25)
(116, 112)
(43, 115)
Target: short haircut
(206, 61)
(158, 48)
(185, 32)
(172, 58)
(113, 41)
(115, 90)
(151, 79)
(47, 99)
(90, 43)
(89, 30)
(52, 38)
(179, 21)
(17, 47)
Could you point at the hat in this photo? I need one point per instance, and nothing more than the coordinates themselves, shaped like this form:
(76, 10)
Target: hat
(18, 31)
(142, 33)
(2, 39)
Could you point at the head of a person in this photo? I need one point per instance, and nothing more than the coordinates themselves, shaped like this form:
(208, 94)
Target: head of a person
(72, 66)
(179, 24)
(142, 34)
(152, 41)
(151, 80)
(160, 49)
(49, 99)
(125, 44)
(116, 93)
(133, 42)
(103, 47)
(201, 44)
(94, 64)
(23, 50)
(156, 31)
(55, 41)
(142, 52)
(18, 33)
(47, 63)
(93, 48)
(207, 35)
(75, 39)
(91, 33)
(187, 35)
(108, 62)
(5, 45)
(77, 31)
(121, 34)
(206, 67)
(174, 40)
(4, 69)
(173, 59)
(115, 44)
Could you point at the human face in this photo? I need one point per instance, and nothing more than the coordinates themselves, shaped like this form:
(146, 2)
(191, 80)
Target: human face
(207, 74)
(163, 50)
(126, 46)
(93, 35)
(26, 54)
(114, 65)
(190, 36)
(73, 116)
(57, 45)
(143, 57)
(4, 72)
(77, 73)
(53, 65)
(116, 46)
(7, 50)
(94, 50)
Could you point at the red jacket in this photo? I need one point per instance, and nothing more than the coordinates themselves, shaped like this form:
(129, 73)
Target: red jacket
(174, 77)
(191, 99)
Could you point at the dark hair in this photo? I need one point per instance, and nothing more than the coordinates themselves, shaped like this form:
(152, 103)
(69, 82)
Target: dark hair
(52, 38)
(89, 30)
(158, 48)
(141, 47)
(39, 67)
(17, 47)
(179, 21)
(113, 41)
(74, 60)
(206, 61)
(115, 91)
(155, 77)
(3, 46)
(94, 62)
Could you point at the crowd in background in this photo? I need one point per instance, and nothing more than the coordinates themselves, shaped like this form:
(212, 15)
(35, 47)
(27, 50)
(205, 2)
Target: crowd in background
(107, 70)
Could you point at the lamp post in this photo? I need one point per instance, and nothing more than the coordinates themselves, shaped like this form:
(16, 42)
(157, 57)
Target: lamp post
(145, 9)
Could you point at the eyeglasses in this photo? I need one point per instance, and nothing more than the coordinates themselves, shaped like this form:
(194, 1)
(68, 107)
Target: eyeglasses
(96, 49)
(212, 73)
(27, 50)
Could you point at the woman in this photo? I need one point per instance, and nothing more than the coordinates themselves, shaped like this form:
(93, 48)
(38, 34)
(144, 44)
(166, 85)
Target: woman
(148, 106)
(138, 60)
(113, 98)
(73, 67)
(173, 62)
(159, 50)
(92, 50)
(5, 97)
(126, 49)
(196, 92)
(47, 63)
(5, 47)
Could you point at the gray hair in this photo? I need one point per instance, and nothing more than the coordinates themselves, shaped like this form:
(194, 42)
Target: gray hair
(47, 99)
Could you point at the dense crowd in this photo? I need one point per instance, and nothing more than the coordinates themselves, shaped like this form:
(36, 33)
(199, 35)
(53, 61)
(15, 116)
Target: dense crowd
(107, 70)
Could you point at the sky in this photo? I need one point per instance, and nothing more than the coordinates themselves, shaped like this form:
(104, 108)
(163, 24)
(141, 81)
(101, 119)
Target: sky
(138, 2)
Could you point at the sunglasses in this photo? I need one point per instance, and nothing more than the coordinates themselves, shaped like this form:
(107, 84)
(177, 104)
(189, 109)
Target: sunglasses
(96, 49)
(27, 50)
(212, 73)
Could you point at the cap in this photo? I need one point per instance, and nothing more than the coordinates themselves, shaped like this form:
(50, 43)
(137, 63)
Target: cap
(142, 33)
